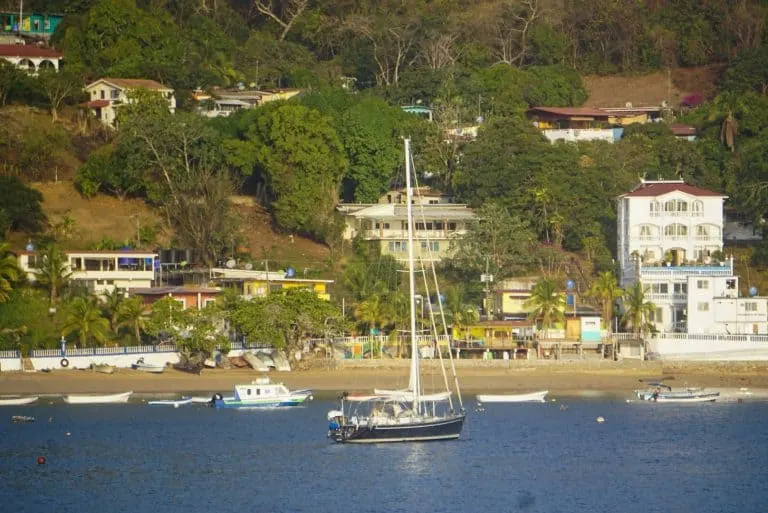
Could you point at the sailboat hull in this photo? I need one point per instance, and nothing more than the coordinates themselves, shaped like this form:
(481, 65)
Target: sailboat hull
(439, 429)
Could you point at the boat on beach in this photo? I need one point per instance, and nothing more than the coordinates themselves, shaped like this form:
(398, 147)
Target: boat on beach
(103, 368)
(17, 400)
(147, 367)
(660, 393)
(408, 415)
(97, 399)
(531, 397)
(262, 393)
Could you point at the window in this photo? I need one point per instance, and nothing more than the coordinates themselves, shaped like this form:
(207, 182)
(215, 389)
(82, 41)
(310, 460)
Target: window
(682, 206)
(681, 288)
(114, 94)
(181, 302)
(91, 264)
(209, 302)
(645, 232)
(76, 264)
(669, 206)
(659, 288)
(702, 231)
(102, 94)
(434, 246)
(433, 202)
(702, 284)
(703, 307)
(397, 247)
(750, 307)
(655, 208)
(675, 230)
(656, 315)
(452, 226)
(697, 207)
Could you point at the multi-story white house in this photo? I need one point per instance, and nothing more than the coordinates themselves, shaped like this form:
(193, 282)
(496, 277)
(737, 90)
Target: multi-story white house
(100, 271)
(668, 233)
(436, 222)
(107, 94)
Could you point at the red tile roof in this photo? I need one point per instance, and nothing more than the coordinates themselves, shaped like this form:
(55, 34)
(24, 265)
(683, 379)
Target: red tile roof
(96, 103)
(680, 129)
(654, 189)
(570, 111)
(28, 51)
(134, 83)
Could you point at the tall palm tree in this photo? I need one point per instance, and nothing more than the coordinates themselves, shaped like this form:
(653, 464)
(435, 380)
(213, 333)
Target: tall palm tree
(52, 273)
(112, 303)
(83, 317)
(131, 315)
(460, 314)
(606, 291)
(371, 311)
(546, 303)
(9, 271)
(637, 309)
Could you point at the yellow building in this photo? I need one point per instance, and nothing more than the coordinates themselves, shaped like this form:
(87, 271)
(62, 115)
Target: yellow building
(252, 283)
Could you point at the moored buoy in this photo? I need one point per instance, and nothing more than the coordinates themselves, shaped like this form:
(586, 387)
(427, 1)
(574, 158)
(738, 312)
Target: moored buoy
(41, 460)
(600, 420)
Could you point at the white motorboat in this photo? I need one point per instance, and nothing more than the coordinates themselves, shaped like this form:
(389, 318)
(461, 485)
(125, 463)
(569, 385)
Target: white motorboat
(17, 400)
(661, 393)
(171, 402)
(262, 393)
(98, 399)
(531, 397)
(147, 367)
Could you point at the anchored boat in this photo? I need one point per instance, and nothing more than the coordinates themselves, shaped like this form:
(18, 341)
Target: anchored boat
(262, 393)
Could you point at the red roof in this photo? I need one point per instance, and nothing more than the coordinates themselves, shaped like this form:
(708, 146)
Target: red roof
(653, 189)
(570, 111)
(28, 51)
(96, 104)
(132, 83)
(680, 129)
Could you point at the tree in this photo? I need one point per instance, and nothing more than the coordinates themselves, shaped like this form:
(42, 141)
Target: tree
(59, 85)
(546, 303)
(606, 291)
(286, 17)
(82, 316)
(9, 271)
(167, 319)
(461, 314)
(20, 206)
(112, 306)
(637, 309)
(10, 77)
(53, 273)
(131, 315)
(496, 242)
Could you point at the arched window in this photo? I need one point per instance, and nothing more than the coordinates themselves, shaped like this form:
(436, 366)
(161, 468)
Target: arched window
(675, 230)
(697, 207)
(681, 206)
(669, 206)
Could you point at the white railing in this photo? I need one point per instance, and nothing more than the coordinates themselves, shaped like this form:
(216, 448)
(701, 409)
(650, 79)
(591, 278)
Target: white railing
(10, 354)
(580, 134)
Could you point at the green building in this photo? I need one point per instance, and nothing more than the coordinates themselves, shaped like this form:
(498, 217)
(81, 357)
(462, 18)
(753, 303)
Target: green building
(35, 25)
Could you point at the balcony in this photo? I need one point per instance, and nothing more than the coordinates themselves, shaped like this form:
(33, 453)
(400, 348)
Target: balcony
(403, 234)
(581, 134)
(725, 269)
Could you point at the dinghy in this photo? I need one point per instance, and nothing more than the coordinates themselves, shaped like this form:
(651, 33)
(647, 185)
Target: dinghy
(532, 397)
(171, 402)
(98, 399)
(17, 401)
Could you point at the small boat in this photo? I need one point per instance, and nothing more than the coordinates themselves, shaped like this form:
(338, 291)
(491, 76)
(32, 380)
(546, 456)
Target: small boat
(532, 397)
(661, 393)
(22, 419)
(104, 368)
(147, 367)
(98, 399)
(17, 400)
(262, 393)
(171, 402)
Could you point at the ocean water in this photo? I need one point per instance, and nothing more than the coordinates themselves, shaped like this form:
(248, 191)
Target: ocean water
(551, 457)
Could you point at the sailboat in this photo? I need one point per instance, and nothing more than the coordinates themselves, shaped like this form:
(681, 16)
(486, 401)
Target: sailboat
(407, 415)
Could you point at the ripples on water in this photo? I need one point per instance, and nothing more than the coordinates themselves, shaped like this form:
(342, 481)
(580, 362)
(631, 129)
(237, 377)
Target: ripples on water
(526, 457)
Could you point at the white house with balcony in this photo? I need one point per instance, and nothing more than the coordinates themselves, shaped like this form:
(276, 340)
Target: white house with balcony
(100, 271)
(572, 124)
(436, 223)
(668, 233)
(106, 95)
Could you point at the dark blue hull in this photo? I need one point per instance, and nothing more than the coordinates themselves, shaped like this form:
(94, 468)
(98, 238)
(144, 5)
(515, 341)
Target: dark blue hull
(448, 428)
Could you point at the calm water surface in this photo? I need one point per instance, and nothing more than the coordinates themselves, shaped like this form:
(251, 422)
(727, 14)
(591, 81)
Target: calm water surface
(526, 457)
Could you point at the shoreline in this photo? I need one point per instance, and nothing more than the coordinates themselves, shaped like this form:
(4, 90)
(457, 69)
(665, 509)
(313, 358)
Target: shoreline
(566, 378)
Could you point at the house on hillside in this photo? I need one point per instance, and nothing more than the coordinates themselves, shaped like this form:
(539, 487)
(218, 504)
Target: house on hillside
(251, 283)
(108, 94)
(575, 124)
(31, 59)
(188, 297)
(99, 271)
(33, 25)
(437, 222)
(630, 114)
(683, 132)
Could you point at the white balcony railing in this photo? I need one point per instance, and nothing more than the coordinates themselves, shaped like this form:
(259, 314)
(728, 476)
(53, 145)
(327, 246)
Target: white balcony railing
(579, 134)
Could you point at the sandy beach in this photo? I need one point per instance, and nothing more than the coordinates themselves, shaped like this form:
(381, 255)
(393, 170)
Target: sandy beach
(559, 377)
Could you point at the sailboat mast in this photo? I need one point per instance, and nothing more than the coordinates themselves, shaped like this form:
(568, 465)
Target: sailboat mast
(414, 381)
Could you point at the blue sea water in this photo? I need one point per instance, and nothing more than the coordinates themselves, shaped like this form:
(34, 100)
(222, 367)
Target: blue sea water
(531, 458)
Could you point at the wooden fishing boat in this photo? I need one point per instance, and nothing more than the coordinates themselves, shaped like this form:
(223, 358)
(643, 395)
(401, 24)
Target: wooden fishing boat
(17, 400)
(531, 397)
(140, 365)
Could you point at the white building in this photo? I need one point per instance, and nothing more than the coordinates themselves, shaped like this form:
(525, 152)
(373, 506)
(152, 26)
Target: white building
(436, 222)
(107, 94)
(31, 58)
(100, 271)
(667, 234)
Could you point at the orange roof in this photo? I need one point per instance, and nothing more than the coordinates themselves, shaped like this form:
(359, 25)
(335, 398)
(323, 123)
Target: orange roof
(570, 111)
(680, 129)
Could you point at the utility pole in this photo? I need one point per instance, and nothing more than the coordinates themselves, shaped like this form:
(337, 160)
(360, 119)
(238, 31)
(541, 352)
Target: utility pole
(487, 278)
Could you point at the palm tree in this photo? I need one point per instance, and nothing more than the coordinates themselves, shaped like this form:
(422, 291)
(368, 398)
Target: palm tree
(83, 317)
(606, 290)
(9, 271)
(637, 310)
(131, 315)
(371, 311)
(112, 303)
(461, 315)
(52, 273)
(546, 303)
